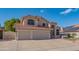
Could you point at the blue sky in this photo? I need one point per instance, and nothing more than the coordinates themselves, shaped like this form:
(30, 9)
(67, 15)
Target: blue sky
(63, 16)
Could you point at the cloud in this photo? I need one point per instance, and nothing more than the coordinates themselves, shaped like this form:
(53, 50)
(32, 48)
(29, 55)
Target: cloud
(67, 11)
(41, 11)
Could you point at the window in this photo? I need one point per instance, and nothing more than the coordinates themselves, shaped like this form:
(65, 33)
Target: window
(52, 26)
(44, 24)
(57, 32)
(31, 22)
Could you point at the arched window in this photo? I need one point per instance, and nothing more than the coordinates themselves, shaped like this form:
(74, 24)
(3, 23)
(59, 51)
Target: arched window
(31, 22)
(57, 32)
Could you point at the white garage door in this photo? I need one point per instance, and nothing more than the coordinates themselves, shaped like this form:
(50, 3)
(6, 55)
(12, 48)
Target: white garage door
(33, 34)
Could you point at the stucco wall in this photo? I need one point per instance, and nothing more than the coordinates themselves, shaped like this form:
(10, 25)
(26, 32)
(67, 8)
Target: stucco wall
(33, 34)
(77, 36)
(9, 35)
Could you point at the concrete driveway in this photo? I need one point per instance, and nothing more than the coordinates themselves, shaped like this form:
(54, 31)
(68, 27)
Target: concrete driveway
(39, 45)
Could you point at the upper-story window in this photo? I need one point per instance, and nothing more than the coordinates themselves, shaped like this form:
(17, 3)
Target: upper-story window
(52, 26)
(31, 22)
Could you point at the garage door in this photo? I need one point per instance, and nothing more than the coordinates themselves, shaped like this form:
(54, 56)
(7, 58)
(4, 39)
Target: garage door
(23, 35)
(41, 34)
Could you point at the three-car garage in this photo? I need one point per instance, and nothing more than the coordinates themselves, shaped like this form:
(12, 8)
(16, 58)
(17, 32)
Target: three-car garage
(33, 34)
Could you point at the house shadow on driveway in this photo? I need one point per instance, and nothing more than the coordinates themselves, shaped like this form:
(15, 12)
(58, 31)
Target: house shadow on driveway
(36, 39)
(6, 39)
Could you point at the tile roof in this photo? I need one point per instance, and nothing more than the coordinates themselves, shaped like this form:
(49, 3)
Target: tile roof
(73, 28)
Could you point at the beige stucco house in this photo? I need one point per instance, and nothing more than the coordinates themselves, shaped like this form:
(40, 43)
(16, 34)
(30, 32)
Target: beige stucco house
(36, 27)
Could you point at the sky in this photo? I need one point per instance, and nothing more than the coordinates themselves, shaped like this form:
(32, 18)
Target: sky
(63, 16)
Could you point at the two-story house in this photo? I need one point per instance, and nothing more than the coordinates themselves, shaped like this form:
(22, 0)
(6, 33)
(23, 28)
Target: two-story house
(36, 27)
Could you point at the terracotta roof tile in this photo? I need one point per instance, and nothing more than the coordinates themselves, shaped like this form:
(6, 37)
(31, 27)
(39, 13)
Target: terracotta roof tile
(77, 25)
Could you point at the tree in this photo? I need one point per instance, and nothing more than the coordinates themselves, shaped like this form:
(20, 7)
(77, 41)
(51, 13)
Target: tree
(69, 35)
(9, 24)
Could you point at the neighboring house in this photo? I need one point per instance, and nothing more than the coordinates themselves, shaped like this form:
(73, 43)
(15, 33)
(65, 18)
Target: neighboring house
(1, 33)
(35, 27)
(74, 29)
